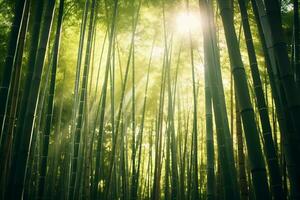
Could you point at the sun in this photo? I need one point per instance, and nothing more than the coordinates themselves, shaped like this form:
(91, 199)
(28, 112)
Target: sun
(188, 21)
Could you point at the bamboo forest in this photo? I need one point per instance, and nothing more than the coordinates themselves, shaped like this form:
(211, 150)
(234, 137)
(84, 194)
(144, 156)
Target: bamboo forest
(149, 99)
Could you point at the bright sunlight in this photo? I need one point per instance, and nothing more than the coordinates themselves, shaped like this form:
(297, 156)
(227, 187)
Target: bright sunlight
(188, 21)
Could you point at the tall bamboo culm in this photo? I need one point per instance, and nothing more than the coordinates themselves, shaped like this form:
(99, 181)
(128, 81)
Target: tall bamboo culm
(255, 155)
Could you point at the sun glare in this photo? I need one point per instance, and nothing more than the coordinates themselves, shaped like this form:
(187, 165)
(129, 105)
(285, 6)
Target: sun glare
(186, 22)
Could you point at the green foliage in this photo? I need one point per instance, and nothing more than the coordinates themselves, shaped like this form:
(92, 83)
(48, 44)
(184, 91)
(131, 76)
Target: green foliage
(148, 80)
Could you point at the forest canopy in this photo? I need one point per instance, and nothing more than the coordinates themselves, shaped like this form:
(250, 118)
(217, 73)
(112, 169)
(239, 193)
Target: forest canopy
(149, 99)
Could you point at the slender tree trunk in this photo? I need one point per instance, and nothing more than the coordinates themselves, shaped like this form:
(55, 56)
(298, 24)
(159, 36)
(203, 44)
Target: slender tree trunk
(255, 155)
(22, 146)
(283, 64)
(285, 123)
(209, 139)
(49, 116)
(116, 134)
(155, 194)
(32, 56)
(296, 43)
(9, 65)
(241, 157)
(81, 120)
(103, 101)
(133, 107)
(194, 150)
(224, 141)
(270, 151)
(6, 137)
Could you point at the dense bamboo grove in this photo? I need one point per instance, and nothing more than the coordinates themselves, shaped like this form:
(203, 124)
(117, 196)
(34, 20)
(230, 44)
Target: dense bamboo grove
(150, 99)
